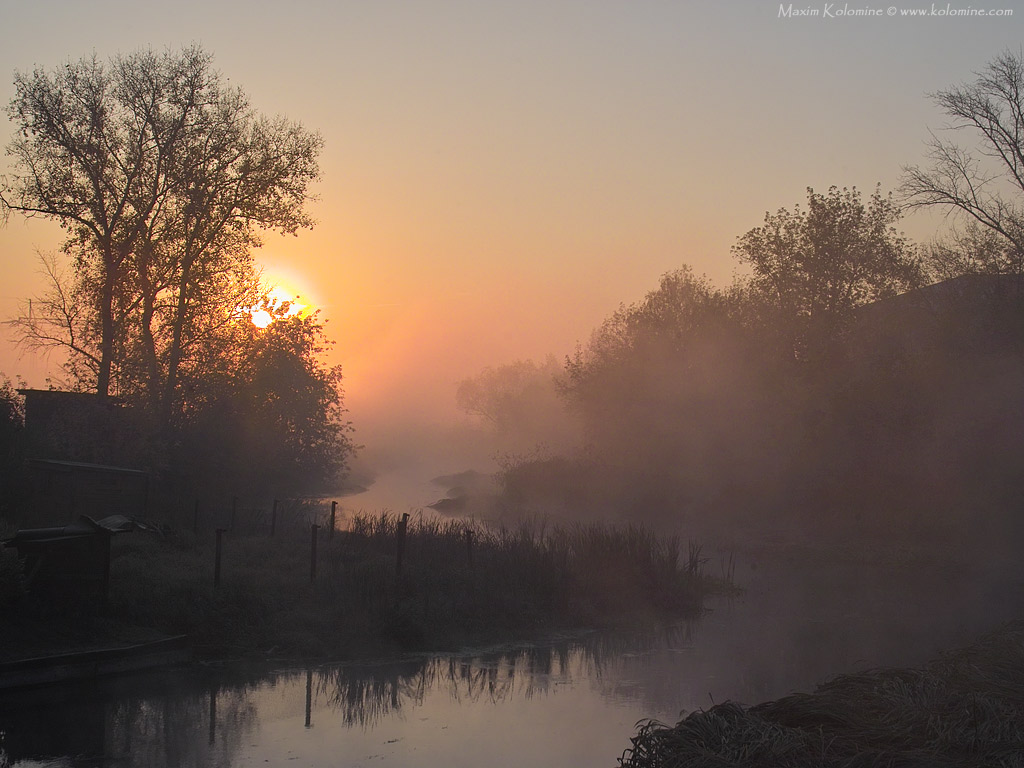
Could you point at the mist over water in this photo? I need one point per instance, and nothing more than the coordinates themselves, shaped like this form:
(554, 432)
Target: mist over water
(870, 494)
(400, 463)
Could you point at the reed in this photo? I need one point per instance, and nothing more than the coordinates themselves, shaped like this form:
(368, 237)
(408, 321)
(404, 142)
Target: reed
(503, 583)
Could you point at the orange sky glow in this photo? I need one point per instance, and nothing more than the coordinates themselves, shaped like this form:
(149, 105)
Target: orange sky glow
(499, 177)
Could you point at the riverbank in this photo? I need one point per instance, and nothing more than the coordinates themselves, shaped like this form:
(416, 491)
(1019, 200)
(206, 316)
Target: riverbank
(964, 709)
(455, 586)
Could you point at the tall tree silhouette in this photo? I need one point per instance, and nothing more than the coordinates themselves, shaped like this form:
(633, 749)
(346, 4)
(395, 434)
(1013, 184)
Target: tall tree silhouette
(163, 176)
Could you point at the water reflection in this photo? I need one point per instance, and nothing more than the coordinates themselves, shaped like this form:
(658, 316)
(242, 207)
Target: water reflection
(562, 703)
(200, 717)
(149, 720)
(364, 694)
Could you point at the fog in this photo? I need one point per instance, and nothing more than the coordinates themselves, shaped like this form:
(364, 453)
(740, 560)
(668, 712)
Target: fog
(903, 432)
(529, 261)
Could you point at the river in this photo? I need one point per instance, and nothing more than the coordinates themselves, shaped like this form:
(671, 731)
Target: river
(568, 702)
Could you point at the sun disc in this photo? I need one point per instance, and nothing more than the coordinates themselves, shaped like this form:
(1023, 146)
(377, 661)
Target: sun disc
(280, 296)
(261, 318)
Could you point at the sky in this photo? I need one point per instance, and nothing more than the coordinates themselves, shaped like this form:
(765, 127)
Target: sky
(499, 176)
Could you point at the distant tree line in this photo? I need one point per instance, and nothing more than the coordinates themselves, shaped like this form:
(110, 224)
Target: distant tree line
(700, 400)
(829, 387)
(163, 177)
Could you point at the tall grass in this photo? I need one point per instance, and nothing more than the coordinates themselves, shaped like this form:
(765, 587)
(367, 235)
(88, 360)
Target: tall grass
(964, 709)
(460, 583)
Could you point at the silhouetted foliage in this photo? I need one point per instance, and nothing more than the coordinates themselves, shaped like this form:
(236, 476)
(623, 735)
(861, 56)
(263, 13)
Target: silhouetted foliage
(503, 396)
(520, 581)
(673, 323)
(972, 250)
(903, 425)
(163, 175)
(271, 420)
(667, 386)
(519, 403)
(12, 445)
(825, 396)
(817, 266)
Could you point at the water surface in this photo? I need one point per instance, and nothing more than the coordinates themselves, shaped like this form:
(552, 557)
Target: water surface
(560, 703)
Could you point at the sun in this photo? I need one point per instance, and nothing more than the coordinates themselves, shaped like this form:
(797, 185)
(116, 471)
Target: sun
(281, 298)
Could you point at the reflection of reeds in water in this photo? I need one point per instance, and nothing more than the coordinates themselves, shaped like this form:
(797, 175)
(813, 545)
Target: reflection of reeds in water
(964, 709)
(191, 719)
(364, 694)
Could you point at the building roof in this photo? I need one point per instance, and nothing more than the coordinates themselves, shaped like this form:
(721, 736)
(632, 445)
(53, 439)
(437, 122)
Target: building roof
(85, 466)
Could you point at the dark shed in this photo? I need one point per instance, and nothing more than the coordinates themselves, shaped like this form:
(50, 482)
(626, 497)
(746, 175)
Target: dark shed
(68, 568)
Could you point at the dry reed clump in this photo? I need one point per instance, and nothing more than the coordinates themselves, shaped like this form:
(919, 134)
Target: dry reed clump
(963, 710)
(458, 583)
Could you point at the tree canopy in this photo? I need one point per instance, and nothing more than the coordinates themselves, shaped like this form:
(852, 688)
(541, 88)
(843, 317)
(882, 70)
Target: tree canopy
(163, 176)
(817, 265)
(270, 415)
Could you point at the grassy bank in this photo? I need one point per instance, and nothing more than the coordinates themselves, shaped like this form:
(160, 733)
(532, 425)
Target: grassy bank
(452, 590)
(964, 709)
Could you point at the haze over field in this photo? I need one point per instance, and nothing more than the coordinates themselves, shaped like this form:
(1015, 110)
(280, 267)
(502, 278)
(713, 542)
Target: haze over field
(690, 334)
(497, 178)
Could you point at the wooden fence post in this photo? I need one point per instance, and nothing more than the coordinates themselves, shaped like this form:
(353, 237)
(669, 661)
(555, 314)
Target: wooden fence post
(334, 513)
(213, 715)
(273, 520)
(309, 697)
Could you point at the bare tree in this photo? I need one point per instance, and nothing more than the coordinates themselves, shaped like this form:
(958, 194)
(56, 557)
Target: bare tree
(163, 176)
(83, 164)
(972, 249)
(984, 184)
(60, 317)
